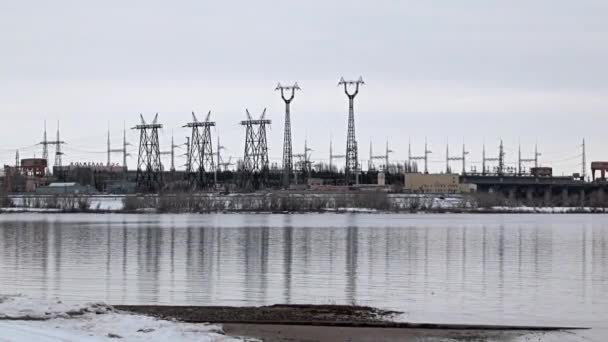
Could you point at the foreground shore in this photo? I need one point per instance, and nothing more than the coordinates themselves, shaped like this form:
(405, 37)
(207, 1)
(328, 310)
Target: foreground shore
(285, 332)
(335, 323)
(26, 319)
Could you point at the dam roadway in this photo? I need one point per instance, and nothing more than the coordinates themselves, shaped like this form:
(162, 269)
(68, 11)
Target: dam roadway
(549, 190)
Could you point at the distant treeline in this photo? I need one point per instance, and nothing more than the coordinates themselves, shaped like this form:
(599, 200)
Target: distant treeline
(279, 201)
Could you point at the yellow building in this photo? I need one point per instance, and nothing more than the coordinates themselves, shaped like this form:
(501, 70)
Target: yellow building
(435, 184)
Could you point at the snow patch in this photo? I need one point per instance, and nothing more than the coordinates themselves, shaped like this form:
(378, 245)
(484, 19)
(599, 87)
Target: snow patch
(548, 210)
(29, 210)
(110, 327)
(16, 307)
(446, 203)
(26, 319)
(355, 210)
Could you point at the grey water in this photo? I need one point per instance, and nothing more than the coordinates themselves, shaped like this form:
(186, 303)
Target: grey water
(474, 269)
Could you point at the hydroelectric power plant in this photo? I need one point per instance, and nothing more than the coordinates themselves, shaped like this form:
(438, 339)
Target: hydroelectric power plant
(209, 170)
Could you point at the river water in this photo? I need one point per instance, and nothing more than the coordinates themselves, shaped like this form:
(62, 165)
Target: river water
(486, 269)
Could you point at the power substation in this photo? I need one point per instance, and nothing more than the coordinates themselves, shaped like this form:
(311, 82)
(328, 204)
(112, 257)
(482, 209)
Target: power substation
(209, 169)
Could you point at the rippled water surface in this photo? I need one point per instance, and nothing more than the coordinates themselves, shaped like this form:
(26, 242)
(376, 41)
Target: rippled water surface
(504, 269)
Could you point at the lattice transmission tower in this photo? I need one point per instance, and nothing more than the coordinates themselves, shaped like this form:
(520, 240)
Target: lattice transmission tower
(304, 164)
(521, 161)
(171, 153)
(149, 167)
(45, 148)
(200, 156)
(424, 157)
(351, 170)
(500, 169)
(255, 166)
(218, 158)
(384, 157)
(333, 156)
(287, 148)
(122, 150)
(462, 158)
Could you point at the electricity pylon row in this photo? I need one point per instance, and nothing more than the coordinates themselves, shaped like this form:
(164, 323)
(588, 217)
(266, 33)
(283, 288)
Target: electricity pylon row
(201, 162)
(352, 169)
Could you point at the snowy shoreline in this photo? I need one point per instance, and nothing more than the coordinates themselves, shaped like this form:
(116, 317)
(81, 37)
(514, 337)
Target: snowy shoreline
(27, 319)
(491, 210)
(275, 203)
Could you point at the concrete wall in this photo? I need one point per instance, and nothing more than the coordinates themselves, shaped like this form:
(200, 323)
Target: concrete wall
(65, 190)
(432, 183)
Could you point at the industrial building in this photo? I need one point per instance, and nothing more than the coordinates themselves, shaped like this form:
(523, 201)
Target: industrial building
(425, 183)
(207, 170)
(96, 175)
(54, 189)
(26, 177)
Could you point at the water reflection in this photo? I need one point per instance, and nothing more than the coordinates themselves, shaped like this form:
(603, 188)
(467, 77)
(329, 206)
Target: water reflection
(434, 268)
(287, 258)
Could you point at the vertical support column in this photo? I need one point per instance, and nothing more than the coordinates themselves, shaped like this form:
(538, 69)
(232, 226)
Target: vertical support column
(530, 195)
(548, 196)
(483, 160)
(58, 152)
(512, 194)
(582, 199)
(565, 197)
(109, 151)
(501, 159)
(464, 160)
(124, 148)
(45, 146)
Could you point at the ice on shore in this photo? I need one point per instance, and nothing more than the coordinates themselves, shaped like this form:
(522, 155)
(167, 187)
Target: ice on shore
(26, 319)
(547, 210)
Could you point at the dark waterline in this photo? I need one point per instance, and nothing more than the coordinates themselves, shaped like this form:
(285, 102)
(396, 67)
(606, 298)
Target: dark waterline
(473, 269)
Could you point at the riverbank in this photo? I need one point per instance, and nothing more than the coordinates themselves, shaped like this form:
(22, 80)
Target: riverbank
(295, 333)
(276, 202)
(334, 323)
(24, 318)
(493, 210)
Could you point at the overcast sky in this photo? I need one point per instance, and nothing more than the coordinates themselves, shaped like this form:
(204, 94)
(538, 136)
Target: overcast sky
(524, 71)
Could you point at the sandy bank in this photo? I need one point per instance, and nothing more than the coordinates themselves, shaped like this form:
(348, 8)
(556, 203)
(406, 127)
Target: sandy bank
(335, 323)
